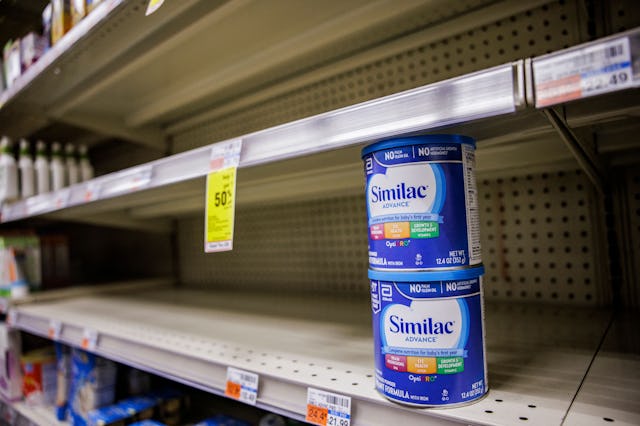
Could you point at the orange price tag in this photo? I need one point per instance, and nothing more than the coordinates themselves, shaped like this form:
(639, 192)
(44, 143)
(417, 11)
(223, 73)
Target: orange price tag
(55, 327)
(317, 415)
(233, 390)
(89, 340)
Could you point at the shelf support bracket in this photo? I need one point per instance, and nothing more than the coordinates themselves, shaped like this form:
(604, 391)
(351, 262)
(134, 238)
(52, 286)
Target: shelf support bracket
(583, 153)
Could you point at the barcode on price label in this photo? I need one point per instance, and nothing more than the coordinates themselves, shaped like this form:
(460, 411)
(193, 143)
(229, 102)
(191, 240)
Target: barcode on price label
(327, 408)
(584, 72)
(242, 385)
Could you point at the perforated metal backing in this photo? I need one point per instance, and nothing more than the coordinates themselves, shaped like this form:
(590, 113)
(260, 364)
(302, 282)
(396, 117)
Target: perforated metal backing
(623, 15)
(539, 237)
(318, 247)
(629, 236)
(534, 32)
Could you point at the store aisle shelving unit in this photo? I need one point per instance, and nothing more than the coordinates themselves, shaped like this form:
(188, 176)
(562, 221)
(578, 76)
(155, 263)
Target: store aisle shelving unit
(537, 356)
(548, 365)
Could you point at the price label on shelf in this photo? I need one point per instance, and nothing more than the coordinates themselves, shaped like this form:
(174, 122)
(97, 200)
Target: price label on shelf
(46, 202)
(153, 6)
(220, 203)
(13, 211)
(130, 180)
(242, 385)
(12, 317)
(54, 330)
(589, 71)
(327, 408)
(61, 198)
(89, 340)
(91, 192)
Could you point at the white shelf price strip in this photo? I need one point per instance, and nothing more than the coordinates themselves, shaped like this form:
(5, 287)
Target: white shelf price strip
(242, 385)
(92, 191)
(129, 180)
(584, 72)
(327, 408)
(47, 202)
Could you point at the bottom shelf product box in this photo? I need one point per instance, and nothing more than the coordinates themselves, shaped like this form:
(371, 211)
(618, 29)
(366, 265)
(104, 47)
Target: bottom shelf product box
(93, 382)
(39, 376)
(10, 375)
(222, 420)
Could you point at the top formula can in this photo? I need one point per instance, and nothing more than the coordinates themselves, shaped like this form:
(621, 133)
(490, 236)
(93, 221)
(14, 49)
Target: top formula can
(422, 203)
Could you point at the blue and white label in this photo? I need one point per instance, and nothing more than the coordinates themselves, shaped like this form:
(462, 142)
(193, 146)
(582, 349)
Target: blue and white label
(424, 328)
(422, 206)
(429, 340)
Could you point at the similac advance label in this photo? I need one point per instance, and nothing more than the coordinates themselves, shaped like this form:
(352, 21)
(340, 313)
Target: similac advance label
(429, 341)
(422, 204)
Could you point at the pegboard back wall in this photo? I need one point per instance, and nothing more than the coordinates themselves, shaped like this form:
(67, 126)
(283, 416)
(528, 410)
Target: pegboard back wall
(540, 243)
(628, 229)
(553, 26)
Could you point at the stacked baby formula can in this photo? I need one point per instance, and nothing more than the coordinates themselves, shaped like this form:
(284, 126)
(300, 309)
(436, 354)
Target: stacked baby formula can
(426, 270)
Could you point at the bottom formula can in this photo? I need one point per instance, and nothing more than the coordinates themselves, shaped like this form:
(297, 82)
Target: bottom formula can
(428, 330)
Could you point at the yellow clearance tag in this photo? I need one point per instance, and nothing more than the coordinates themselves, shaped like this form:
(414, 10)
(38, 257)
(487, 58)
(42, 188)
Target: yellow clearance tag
(221, 197)
(153, 6)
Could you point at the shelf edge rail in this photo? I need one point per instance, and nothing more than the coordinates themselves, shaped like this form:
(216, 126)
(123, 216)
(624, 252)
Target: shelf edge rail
(487, 93)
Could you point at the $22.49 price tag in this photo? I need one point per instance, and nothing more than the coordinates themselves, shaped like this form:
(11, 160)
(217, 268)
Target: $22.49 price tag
(242, 385)
(327, 408)
(591, 70)
(220, 203)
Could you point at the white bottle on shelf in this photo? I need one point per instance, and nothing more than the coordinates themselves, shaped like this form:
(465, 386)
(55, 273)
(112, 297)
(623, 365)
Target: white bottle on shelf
(86, 169)
(73, 174)
(43, 179)
(8, 172)
(57, 167)
(25, 166)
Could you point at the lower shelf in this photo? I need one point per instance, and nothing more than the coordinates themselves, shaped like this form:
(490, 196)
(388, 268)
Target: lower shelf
(611, 391)
(20, 413)
(538, 356)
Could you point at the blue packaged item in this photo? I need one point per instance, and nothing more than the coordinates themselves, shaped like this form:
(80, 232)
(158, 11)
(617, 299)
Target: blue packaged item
(140, 407)
(428, 332)
(63, 380)
(147, 423)
(107, 416)
(222, 420)
(422, 203)
(171, 404)
(92, 385)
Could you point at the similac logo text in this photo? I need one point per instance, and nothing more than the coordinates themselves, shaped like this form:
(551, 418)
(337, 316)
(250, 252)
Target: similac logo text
(403, 189)
(400, 192)
(425, 327)
(436, 324)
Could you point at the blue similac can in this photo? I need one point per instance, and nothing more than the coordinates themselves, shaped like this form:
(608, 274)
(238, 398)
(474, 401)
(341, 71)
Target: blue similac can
(422, 203)
(428, 331)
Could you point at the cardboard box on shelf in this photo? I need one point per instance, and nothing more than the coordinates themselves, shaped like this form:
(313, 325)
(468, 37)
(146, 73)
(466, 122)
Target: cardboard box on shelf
(10, 375)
